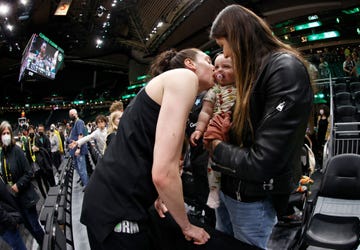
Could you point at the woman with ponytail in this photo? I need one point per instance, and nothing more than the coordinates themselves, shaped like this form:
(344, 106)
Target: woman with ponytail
(141, 165)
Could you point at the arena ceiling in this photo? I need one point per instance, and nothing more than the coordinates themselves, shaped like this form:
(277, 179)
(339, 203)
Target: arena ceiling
(101, 38)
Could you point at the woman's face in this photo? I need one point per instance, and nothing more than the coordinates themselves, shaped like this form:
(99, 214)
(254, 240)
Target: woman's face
(6, 131)
(224, 73)
(224, 44)
(117, 118)
(204, 70)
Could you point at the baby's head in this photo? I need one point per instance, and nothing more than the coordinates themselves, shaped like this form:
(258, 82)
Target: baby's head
(223, 72)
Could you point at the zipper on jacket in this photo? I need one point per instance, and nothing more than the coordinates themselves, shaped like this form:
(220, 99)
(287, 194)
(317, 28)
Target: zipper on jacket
(238, 195)
(279, 108)
(223, 167)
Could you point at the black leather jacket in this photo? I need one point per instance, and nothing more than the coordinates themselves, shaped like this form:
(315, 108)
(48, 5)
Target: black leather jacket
(280, 105)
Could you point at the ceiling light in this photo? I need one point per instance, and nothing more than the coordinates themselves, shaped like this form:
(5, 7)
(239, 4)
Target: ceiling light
(10, 27)
(4, 9)
(24, 2)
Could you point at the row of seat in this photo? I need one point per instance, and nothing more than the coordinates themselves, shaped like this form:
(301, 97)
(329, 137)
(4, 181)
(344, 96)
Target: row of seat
(334, 213)
(55, 214)
(347, 98)
(351, 87)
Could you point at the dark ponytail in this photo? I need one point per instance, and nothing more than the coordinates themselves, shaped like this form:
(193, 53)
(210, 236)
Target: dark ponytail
(171, 59)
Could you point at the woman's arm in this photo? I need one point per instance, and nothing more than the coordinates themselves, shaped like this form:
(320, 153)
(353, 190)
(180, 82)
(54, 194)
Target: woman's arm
(202, 122)
(179, 92)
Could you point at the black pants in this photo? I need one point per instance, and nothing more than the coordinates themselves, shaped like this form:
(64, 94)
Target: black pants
(122, 241)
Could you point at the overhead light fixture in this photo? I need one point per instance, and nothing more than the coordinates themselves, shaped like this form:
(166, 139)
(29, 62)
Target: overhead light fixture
(10, 27)
(4, 9)
(24, 2)
(100, 11)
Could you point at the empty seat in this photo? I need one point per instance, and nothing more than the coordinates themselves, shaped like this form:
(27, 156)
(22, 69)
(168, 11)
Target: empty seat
(357, 100)
(339, 87)
(345, 113)
(343, 98)
(335, 222)
(354, 87)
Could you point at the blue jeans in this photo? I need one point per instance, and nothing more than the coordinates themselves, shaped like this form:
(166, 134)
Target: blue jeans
(250, 222)
(80, 166)
(13, 238)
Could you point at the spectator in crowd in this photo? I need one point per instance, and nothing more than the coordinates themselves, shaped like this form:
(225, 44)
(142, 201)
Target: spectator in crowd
(324, 70)
(99, 135)
(274, 99)
(141, 165)
(60, 137)
(40, 160)
(78, 153)
(56, 144)
(356, 69)
(116, 106)
(348, 65)
(17, 173)
(113, 125)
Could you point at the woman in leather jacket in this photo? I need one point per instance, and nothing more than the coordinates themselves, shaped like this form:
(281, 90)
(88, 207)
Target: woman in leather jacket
(17, 173)
(269, 120)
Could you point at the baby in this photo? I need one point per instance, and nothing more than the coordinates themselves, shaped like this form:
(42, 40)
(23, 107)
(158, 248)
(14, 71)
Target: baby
(218, 100)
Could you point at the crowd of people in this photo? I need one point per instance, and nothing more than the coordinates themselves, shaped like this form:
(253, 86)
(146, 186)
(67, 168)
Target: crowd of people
(256, 101)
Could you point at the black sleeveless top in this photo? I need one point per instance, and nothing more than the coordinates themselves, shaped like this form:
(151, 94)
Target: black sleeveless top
(121, 186)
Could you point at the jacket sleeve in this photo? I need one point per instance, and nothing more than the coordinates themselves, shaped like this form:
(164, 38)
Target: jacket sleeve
(24, 168)
(281, 128)
(6, 220)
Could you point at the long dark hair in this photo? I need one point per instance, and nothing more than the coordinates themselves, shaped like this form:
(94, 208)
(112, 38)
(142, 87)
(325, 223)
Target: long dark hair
(251, 41)
(171, 59)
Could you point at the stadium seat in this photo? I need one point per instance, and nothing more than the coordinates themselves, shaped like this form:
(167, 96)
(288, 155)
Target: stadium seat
(339, 87)
(354, 87)
(357, 100)
(335, 220)
(342, 98)
(345, 113)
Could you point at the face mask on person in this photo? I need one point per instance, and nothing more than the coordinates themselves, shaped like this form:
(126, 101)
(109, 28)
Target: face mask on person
(51, 130)
(6, 139)
(73, 118)
(31, 135)
(41, 133)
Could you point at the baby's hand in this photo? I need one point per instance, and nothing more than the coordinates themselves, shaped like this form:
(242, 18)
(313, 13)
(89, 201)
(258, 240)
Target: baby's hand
(195, 136)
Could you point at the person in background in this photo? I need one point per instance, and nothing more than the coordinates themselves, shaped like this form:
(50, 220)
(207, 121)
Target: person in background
(324, 70)
(32, 149)
(348, 65)
(141, 165)
(60, 137)
(356, 69)
(113, 125)
(271, 112)
(55, 147)
(99, 135)
(17, 173)
(43, 155)
(116, 106)
(78, 153)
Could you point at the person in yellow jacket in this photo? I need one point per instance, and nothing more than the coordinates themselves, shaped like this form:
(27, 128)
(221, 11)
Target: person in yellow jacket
(56, 132)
